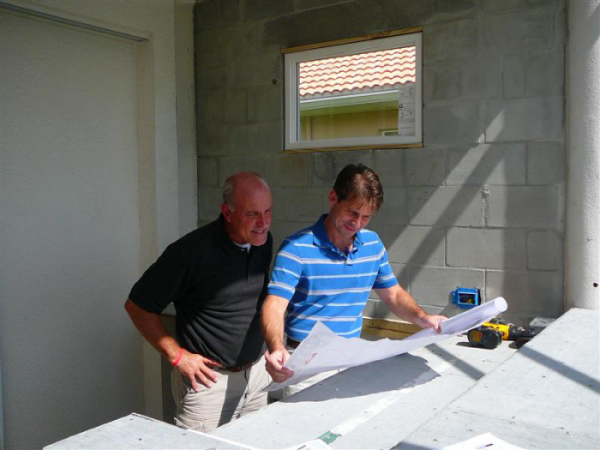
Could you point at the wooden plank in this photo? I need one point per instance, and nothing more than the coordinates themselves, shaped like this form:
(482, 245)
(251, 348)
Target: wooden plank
(388, 328)
(354, 147)
(368, 37)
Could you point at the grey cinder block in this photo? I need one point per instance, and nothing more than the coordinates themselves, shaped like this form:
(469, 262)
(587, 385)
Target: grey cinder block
(414, 245)
(207, 48)
(454, 10)
(519, 31)
(229, 11)
(545, 74)
(208, 174)
(425, 166)
(211, 139)
(474, 79)
(484, 248)
(232, 164)
(446, 206)
(265, 103)
(523, 206)
(528, 294)
(502, 164)
(242, 139)
(234, 107)
(209, 203)
(502, 6)
(269, 137)
(452, 41)
(232, 42)
(513, 75)
(389, 166)
(524, 119)
(211, 78)
(289, 169)
(393, 211)
(327, 165)
(543, 250)
(210, 108)
(546, 162)
(303, 204)
(452, 124)
(432, 286)
(260, 9)
(262, 69)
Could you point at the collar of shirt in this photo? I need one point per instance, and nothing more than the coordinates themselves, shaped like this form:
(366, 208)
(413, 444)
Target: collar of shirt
(320, 237)
(244, 246)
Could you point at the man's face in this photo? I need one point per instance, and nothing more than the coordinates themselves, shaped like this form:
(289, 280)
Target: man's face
(349, 216)
(250, 219)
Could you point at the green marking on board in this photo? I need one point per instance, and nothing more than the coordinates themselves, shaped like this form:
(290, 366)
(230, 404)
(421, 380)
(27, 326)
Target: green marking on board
(329, 437)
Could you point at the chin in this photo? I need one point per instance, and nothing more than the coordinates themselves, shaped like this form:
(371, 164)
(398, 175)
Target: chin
(256, 241)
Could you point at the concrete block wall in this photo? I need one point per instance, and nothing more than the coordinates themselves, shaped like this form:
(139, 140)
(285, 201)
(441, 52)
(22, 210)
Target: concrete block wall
(480, 205)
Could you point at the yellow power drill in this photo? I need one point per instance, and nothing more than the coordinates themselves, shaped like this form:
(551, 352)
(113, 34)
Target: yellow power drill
(491, 334)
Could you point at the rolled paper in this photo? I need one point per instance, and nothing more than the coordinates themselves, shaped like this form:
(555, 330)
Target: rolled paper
(474, 317)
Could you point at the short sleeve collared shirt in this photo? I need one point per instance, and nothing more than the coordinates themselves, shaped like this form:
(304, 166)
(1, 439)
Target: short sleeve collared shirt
(323, 284)
(217, 288)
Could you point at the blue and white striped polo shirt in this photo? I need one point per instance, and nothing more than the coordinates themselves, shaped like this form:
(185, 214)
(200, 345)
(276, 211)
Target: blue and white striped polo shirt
(325, 285)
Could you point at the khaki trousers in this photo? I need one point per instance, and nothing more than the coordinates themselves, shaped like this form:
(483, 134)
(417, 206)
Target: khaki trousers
(235, 394)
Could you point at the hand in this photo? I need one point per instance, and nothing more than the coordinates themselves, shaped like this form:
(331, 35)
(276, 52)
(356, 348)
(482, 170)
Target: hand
(196, 368)
(432, 321)
(275, 365)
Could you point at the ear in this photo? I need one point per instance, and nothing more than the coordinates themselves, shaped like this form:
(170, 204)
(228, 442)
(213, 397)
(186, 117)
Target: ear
(226, 212)
(332, 198)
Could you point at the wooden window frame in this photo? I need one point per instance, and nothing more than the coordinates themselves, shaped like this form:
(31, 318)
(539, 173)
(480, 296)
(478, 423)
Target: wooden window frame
(374, 42)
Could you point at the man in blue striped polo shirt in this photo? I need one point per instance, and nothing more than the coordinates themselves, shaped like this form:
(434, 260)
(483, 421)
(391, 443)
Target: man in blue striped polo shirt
(324, 273)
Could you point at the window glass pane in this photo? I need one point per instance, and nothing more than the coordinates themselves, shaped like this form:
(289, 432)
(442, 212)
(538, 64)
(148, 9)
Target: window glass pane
(365, 94)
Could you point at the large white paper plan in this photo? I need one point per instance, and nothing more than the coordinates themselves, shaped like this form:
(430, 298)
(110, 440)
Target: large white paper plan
(323, 351)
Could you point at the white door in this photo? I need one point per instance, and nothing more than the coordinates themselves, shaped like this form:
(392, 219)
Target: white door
(69, 229)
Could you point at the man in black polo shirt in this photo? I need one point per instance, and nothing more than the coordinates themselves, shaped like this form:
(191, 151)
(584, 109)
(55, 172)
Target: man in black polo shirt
(216, 277)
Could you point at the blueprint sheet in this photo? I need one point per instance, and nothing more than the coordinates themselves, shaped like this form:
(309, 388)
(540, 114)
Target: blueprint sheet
(323, 351)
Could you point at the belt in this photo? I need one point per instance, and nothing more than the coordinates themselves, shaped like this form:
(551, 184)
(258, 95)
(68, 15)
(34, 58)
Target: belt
(293, 343)
(239, 368)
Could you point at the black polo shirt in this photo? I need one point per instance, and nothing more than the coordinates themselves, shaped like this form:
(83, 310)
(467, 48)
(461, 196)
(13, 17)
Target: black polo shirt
(217, 289)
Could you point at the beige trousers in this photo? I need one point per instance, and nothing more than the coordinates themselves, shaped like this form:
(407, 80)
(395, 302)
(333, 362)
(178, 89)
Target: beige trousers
(235, 394)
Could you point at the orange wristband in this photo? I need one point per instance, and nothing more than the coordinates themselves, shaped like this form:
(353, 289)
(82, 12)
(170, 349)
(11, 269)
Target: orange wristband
(176, 362)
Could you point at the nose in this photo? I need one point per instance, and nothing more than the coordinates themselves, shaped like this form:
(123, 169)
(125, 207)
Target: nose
(261, 220)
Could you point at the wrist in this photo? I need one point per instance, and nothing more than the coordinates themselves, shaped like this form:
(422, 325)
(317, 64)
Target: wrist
(276, 346)
(422, 319)
(177, 360)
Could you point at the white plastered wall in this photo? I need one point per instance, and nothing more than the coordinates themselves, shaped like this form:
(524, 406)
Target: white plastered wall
(582, 242)
(166, 151)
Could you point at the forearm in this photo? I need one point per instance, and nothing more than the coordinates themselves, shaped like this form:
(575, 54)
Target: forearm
(402, 304)
(152, 328)
(272, 321)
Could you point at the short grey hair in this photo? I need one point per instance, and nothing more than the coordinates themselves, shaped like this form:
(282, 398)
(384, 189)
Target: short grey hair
(230, 184)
